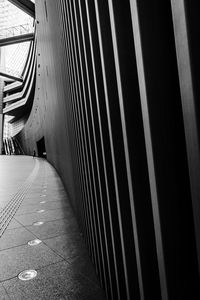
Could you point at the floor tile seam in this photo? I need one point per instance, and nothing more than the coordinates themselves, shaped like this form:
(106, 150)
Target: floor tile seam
(39, 202)
(42, 221)
(13, 227)
(16, 246)
(42, 241)
(10, 278)
(52, 236)
(48, 199)
(56, 252)
(36, 221)
(59, 235)
(49, 188)
(6, 292)
(37, 269)
(49, 195)
(43, 217)
(55, 193)
(32, 224)
(43, 204)
(47, 237)
(80, 273)
(70, 264)
(50, 264)
(46, 210)
(41, 188)
(50, 185)
(25, 226)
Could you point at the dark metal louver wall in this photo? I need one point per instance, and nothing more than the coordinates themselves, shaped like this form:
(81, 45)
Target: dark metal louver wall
(134, 140)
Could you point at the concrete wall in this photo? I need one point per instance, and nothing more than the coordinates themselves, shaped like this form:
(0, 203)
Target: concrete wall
(48, 116)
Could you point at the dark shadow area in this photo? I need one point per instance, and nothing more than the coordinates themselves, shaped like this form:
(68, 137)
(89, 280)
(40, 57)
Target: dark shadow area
(41, 148)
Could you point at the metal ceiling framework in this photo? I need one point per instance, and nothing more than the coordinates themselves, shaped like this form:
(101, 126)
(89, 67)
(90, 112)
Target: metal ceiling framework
(26, 5)
(10, 76)
(16, 39)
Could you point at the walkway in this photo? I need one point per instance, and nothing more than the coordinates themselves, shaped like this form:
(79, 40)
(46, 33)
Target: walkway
(34, 208)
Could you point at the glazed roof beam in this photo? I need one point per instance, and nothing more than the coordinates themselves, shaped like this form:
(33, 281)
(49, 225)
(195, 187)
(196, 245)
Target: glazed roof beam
(17, 39)
(10, 76)
(26, 5)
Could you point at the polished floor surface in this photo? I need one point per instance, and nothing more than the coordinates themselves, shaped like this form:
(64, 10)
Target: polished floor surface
(34, 208)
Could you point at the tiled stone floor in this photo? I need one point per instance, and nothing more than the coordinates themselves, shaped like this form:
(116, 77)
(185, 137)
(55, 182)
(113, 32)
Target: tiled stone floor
(9, 185)
(64, 269)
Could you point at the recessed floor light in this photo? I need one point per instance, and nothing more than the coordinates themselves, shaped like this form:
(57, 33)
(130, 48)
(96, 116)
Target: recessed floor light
(42, 202)
(42, 195)
(27, 275)
(41, 211)
(38, 223)
(34, 242)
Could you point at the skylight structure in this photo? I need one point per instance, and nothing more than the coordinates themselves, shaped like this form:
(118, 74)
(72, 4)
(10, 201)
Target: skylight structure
(14, 22)
(17, 65)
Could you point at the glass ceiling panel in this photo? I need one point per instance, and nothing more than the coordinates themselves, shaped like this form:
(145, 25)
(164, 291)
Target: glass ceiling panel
(15, 57)
(13, 22)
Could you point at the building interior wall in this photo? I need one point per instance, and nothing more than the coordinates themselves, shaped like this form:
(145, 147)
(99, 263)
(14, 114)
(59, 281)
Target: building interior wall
(121, 128)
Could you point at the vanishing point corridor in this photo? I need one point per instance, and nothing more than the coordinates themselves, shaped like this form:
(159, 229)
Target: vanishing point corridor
(38, 231)
(99, 150)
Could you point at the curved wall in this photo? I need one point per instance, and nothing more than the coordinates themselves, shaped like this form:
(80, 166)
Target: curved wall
(48, 116)
(109, 102)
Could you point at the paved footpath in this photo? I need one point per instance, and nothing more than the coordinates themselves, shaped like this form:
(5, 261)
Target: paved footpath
(38, 231)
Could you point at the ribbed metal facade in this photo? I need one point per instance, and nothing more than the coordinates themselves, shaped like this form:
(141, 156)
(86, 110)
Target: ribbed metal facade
(131, 102)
